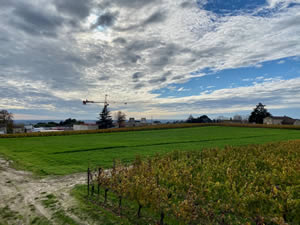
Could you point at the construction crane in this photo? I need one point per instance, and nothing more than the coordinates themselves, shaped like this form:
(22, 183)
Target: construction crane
(105, 102)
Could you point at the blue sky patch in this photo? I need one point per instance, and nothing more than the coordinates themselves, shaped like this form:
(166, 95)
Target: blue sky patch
(222, 7)
(286, 68)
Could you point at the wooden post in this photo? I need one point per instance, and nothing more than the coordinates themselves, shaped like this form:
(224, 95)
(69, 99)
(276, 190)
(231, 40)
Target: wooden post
(105, 195)
(162, 216)
(99, 173)
(88, 182)
(139, 211)
(120, 205)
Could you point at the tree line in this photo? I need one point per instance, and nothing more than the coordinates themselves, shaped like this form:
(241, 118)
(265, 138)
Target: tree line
(105, 119)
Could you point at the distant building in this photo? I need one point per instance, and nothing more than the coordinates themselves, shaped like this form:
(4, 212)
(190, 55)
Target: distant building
(28, 128)
(85, 127)
(280, 120)
(156, 122)
(238, 118)
(18, 130)
(143, 121)
(137, 123)
(297, 123)
(231, 121)
(3, 130)
(131, 122)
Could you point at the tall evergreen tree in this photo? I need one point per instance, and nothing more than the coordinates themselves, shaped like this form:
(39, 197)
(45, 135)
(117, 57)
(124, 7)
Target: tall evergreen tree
(258, 114)
(105, 120)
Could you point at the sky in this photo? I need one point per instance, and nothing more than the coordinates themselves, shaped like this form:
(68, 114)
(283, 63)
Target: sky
(166, 59)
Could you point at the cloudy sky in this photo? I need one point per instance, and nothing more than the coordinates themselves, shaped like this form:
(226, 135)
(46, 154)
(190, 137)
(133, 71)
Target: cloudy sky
(166, 58)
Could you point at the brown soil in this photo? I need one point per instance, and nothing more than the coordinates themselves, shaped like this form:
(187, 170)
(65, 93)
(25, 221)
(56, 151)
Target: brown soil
(22, 196)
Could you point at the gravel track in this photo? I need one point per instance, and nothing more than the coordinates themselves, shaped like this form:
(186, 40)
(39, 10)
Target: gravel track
(22, 195)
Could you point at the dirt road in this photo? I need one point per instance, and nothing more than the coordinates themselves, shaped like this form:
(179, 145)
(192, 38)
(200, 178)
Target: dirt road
(25, 199)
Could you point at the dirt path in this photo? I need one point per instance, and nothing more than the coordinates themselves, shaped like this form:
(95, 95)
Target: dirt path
(27, 200)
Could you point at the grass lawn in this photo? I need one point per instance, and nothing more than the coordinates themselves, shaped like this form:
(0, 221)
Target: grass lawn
(61, 155)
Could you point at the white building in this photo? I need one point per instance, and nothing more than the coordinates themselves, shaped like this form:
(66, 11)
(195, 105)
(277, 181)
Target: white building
(279, 120)
(86, 127)
(3, 130)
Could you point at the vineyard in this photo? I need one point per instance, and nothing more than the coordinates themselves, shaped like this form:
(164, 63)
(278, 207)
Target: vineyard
(254, 184)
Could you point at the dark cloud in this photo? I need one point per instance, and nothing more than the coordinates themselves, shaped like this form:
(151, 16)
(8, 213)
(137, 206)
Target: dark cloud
(4, 39)
(161, 79)
(77, 8)
(158, 80)
(34, 21)
(139, 86)
(179, 77)
(7, 3)
(164, 56)
(106, 20)
(156, 17)
(133, 3)
(140, 45)
(104, 78)
(130, 58)
(120, 40)
(136, 76)
(187, 4)
(134, 58)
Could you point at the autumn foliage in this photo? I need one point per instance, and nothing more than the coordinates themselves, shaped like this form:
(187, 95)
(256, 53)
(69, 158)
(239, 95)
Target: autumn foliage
(255, 184)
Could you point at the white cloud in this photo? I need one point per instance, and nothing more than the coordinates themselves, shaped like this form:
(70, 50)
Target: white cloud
(283, 3)
(142, 49)
(259, 78)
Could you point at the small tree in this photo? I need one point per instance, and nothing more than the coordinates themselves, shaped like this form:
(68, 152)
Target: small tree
(190, 119)
(258, 114)
(121, 118)
(6, 120)
(70, 122)
(201, 119)
(105, 120)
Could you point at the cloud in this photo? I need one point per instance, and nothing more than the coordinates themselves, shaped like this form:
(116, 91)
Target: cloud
(34, 21)
(144, 46)
(281, 3)
(132, 3)
(136, 76)
(78, 8)
(156, 17)
(106, 20)
(275, 94)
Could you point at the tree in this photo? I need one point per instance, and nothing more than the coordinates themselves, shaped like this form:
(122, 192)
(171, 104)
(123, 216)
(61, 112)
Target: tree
(201, 119)
(70, 122)
(204, 119)
(105, 120)
(121, 118)
(258, 114)
(6, 120)
(190, 119)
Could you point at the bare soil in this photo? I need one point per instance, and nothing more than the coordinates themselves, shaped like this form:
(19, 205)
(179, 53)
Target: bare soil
(23, 197)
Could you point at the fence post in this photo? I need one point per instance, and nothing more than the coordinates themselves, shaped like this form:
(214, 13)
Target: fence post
(99, 173)
(88, 182)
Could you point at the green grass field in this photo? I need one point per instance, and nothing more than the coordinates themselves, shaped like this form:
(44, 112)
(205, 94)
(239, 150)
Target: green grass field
(61, 155)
